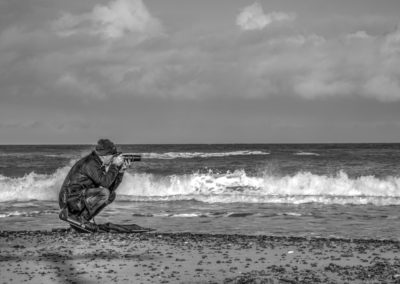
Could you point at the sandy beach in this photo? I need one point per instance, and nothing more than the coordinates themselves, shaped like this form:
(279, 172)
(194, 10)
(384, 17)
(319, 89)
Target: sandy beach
(63, 256)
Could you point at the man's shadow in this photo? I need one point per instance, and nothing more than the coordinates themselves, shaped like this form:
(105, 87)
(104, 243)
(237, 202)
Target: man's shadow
(62, 268)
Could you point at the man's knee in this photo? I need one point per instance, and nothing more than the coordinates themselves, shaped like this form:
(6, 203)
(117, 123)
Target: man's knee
(97, 196)
(111, 198)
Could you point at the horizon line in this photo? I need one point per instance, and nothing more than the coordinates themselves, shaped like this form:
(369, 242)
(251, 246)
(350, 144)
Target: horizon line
(192, 143)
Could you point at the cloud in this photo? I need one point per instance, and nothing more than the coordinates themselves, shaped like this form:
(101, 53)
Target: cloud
(314, 67)
(385, 88)
(79, 86)
(391, 44)
(358, 35)
(113, 21)
(253, 17)
(78, 63)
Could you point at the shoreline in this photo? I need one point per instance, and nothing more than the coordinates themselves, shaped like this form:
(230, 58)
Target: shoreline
(63, 256)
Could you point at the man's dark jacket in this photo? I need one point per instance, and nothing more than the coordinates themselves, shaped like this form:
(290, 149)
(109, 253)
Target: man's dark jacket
(88, 172)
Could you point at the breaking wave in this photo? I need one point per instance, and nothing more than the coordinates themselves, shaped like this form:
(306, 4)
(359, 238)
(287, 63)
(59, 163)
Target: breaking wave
(190, 155)
(216, 214)
(27, 213)
(303, 187)
(306, 154)
(231, 187)
(32, 186)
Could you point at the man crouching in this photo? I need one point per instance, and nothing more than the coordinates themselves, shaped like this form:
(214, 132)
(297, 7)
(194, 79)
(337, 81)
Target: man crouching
(90, 185)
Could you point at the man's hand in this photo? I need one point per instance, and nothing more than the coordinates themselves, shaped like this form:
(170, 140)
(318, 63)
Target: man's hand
(118, 160)
(125, 165)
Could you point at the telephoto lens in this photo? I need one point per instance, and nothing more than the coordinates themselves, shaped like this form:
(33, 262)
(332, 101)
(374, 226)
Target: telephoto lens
(132, 158)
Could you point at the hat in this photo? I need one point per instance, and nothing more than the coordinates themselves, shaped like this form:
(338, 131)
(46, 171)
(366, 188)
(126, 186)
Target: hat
(105, 147)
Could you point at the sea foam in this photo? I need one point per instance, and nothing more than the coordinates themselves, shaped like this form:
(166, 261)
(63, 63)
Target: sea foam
(32, 186)
(230, 187)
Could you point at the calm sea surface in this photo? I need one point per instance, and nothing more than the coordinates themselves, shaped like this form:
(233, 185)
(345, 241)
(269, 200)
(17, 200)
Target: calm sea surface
(341, 190)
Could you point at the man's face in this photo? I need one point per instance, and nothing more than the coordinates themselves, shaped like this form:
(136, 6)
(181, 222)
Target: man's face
(106, 159)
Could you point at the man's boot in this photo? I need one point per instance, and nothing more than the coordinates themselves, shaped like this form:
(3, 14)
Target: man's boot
(77, 222)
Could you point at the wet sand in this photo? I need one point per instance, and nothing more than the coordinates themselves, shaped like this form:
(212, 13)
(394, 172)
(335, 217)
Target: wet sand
(63, 256)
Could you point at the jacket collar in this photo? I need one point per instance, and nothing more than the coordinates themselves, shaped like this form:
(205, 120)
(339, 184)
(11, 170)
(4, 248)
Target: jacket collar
(96, 157)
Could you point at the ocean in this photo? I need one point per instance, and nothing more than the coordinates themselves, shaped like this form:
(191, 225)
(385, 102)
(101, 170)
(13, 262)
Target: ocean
(308, 190)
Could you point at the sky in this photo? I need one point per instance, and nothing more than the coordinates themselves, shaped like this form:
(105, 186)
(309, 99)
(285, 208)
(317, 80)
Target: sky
(189, 71)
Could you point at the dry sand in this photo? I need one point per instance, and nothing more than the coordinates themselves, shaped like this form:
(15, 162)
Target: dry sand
(63, 256)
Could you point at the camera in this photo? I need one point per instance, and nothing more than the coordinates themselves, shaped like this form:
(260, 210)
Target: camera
(129, 157)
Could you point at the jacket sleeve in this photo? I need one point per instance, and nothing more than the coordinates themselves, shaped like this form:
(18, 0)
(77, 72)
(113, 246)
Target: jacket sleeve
(117, 182)
(99, 177)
